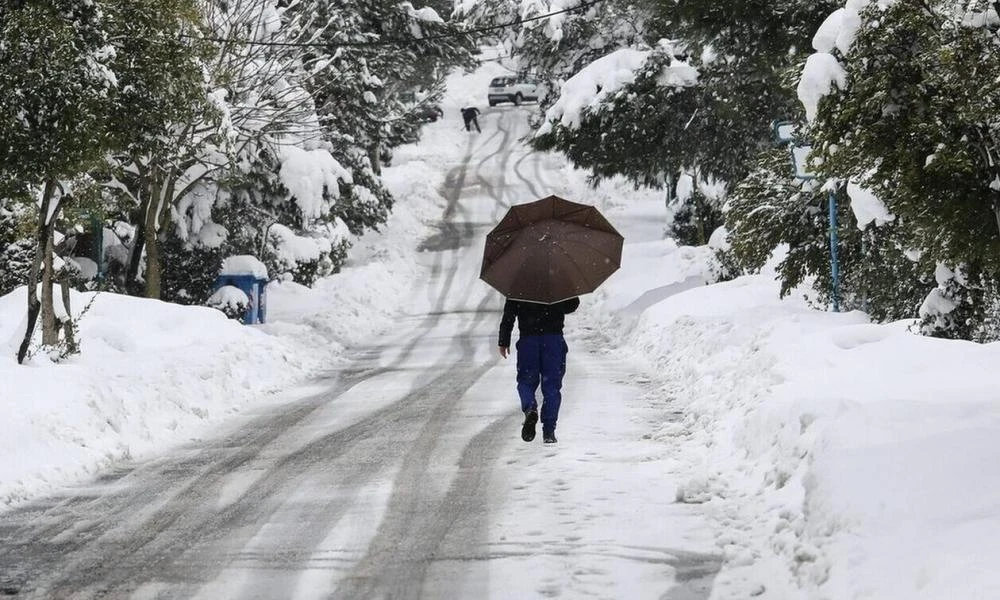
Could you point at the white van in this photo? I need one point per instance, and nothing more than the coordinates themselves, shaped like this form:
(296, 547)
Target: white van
(513, 89)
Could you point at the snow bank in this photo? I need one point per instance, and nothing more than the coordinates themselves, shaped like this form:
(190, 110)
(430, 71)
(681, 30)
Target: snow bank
(837, 458)
(151, 375)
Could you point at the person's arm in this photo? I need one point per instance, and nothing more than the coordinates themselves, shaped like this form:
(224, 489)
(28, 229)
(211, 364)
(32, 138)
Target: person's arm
(570, 305)
(507, 327)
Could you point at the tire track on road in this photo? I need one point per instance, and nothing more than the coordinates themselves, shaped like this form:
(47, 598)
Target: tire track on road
(413, 534)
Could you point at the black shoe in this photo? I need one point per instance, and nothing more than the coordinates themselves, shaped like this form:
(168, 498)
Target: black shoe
(528, 429)
(549, 437)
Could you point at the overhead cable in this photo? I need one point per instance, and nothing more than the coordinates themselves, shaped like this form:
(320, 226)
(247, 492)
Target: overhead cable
(397, 41)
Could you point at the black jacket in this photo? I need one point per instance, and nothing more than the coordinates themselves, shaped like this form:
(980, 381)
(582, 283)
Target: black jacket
(534, 319)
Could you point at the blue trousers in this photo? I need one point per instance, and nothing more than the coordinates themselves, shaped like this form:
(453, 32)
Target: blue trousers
(541, 359)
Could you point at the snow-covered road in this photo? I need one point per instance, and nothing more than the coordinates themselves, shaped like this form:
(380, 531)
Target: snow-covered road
(401, 474)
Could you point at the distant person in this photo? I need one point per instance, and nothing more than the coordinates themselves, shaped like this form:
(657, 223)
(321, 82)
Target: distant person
(541, 359)
(469, 114)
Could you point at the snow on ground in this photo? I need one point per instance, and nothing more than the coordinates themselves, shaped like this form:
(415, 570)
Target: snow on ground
(150, 373)
(836, 458)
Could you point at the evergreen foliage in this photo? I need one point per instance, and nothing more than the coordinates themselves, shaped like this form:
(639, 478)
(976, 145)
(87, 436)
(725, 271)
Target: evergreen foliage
(917, 125)
(695, 219)
(54, 72)
(190, 272)
(16, 246)
(650, 130)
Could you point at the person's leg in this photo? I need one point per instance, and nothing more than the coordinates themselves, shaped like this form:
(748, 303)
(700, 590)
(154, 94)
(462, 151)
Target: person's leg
(529, 364)
(553, 368)
(476, 121)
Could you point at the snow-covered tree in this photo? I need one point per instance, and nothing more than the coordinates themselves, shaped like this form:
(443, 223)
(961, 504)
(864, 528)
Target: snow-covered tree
(701, 104)
(904, 103)
(774, 217)
(376, 54)
(54, 121)
(161, 114)
(556, 47)
(312, 100)
(250, 102)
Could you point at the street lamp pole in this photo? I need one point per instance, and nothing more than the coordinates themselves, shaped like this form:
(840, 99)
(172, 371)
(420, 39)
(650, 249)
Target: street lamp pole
(785, 134)
(834, 262)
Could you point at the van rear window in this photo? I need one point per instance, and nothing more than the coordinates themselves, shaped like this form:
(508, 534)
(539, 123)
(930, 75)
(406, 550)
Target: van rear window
(499, 82)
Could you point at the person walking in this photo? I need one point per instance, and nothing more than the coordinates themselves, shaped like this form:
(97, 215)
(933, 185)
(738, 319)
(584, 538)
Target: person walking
(469, 114)
(541, 359)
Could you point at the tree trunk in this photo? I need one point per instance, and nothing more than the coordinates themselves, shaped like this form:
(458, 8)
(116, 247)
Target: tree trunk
(670, 194)
(166, 193)
(34, 306)
(152, 247)
(699, 217)
(135, 253)
(699, 207)
(139, 239)
(68, 327)
(995, 201)
(373, 157)
(50, 330)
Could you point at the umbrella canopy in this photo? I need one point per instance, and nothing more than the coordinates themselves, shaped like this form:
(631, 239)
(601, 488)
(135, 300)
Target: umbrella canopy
(550, 250)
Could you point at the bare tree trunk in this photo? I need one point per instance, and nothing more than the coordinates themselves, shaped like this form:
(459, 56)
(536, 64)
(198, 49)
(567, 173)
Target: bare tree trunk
(375, 154)
(166, 193)
(135, 253)
(50, 331)
(68, 326)
(139, 239)
(699, 217)
(699, 210)
(375, 158)
(152, 247)
(34, 305)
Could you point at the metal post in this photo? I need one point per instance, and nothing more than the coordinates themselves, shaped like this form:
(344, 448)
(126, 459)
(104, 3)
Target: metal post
(834, 264)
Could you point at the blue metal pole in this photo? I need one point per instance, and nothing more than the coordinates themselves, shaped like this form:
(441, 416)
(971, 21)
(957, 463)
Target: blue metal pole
(834, 264)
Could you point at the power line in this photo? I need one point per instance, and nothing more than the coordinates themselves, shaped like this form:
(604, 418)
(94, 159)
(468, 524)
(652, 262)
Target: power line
(397, 41)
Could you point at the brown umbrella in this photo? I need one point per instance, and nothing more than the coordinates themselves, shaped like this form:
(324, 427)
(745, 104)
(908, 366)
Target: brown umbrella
(550, 250)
